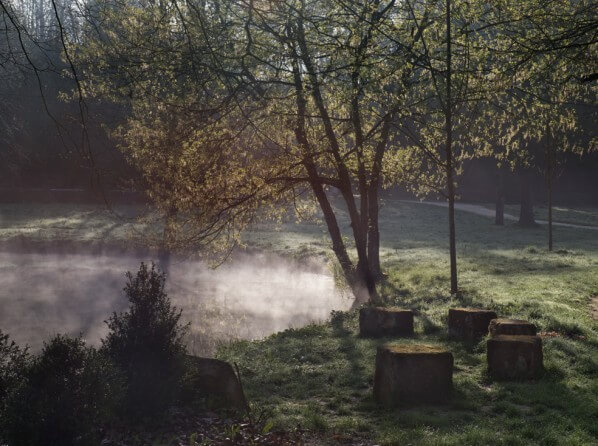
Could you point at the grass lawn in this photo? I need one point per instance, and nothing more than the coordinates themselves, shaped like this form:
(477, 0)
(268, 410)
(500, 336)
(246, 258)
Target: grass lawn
(320, 377)
(52, 222)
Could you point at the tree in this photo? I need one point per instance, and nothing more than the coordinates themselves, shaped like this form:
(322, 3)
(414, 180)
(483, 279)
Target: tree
(240, 109)
(456, 76)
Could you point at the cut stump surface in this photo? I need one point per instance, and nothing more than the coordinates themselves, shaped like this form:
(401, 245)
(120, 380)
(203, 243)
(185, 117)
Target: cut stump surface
(511, 327)
(514, 357)
(412, 374)
(469, 323)
(378, 322)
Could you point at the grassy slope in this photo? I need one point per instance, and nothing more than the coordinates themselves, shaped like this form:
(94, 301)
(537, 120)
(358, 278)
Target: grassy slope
(321, 376)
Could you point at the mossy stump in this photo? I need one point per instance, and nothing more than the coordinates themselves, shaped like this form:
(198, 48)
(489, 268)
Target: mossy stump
(499, 327)
(469, 323)
(377, 322)
(411, 374)
(514, 357)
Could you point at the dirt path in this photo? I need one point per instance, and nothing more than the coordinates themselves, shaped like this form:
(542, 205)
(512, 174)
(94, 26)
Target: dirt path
(485, 212)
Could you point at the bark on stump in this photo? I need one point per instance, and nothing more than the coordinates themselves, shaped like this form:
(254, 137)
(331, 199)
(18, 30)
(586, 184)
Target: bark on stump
(378, 322)
(514, 357)
(412, 374)
(513, 327)
(469, 323)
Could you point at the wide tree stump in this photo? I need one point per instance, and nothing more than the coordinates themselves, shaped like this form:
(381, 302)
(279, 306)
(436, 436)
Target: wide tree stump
(378, 322)
(412, 374)
(514, 357)
(511, 327)
(469, 323)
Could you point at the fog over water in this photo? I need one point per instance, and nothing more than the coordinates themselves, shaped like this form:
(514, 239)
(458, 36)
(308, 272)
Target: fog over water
(250, 297)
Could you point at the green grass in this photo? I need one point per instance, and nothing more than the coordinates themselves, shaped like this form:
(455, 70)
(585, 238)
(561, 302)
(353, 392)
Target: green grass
(320, 377)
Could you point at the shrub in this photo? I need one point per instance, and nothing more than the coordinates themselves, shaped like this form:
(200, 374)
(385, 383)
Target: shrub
(66, 395)
(13, 361)
(146, 342)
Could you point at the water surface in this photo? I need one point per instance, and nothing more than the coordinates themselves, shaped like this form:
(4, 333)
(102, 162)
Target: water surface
(250, 297)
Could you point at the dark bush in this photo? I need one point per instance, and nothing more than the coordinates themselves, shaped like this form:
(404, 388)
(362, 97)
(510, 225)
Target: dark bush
(13, 361)
(66, 396)
(146, 343)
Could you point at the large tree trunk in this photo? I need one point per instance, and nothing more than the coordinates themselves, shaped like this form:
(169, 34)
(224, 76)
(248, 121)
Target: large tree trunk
(499, 218)
(373, 203)
(374, 232)
(338, 246)
(526, 213)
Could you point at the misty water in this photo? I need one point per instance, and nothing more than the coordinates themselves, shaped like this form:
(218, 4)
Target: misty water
(249, 297)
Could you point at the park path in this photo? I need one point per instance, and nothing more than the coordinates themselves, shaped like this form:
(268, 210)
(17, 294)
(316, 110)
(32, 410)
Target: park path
(485, 212)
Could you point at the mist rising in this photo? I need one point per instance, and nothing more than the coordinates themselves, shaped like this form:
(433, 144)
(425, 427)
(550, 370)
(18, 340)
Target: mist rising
(250, 297)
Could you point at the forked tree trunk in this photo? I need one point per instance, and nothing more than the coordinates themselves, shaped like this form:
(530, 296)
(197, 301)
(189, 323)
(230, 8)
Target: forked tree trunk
(499, 218)
(526, 213)
(361, 278)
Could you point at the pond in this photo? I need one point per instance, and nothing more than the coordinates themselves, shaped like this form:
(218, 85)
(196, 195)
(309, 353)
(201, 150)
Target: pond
(249, 297)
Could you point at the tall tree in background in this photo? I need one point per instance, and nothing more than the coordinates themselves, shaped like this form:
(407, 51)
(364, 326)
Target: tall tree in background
(550, 51)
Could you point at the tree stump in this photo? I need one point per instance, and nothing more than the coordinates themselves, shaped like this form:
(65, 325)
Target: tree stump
(214, 378)
(514, 357)
(469, 323)
(378, 322)
(412, 374)
(511, 327)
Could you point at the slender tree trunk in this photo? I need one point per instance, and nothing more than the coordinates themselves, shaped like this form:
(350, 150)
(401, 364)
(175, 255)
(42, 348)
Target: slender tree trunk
(499, 218)
(452, 232)
(449, 155)
(550, 167)
(550, 212)
(526, 213)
